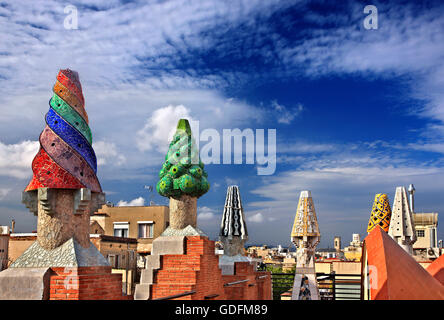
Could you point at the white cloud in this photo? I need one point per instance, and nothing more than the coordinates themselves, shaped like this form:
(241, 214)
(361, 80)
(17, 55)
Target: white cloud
(205, 213)
(231, 181)
(160, 127)
(285, 115)
(408, 45)
(119, 43)
(4, 193)
(107, 153)
(16, 159)
(256, 218)
(133, 203)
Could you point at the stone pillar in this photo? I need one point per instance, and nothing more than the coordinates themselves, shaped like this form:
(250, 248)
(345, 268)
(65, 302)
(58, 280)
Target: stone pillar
(183, 212)
(305, 235)
(62, 214)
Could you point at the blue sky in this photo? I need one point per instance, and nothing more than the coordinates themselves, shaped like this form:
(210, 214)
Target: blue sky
(357, 112)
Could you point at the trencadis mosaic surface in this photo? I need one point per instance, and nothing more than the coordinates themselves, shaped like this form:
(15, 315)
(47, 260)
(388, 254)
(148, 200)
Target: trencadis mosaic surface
(182, 172)
(66, 159)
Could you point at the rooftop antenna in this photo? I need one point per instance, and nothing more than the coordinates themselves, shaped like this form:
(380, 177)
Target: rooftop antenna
(150, 190)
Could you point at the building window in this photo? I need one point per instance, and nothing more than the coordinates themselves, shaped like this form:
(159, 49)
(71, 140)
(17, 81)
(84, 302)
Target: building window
(121, 229)
(113, 260)
(420, 233)
(146, 229)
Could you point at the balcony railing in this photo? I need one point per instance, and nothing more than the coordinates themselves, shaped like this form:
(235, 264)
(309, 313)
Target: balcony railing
(331, 286)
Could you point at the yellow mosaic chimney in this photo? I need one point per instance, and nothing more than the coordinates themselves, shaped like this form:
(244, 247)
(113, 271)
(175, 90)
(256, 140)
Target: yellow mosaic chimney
(381, 213)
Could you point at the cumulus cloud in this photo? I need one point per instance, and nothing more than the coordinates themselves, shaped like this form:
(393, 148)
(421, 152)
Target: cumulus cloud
(205, 213)
(160, 127)
(16, 159)
(3, 193)
(256, 218)
(133, 203)
(107, 153)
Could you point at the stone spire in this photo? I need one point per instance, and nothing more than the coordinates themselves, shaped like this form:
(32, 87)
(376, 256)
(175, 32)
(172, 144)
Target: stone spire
(381, 213)
(305, 235)
(402, 227)
(305, 223)
(233, 232)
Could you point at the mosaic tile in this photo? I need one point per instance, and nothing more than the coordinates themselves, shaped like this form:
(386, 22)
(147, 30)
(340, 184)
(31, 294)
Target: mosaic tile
(71, 85)
(69, 159)
(66, 158)
(51, 175)
(70, 99)
(381, 213)
(72, 137)
(178, 175)
(65, 111)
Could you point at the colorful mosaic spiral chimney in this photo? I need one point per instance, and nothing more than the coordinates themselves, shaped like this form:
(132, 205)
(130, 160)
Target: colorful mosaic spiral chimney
(381, 213)
(66, 159)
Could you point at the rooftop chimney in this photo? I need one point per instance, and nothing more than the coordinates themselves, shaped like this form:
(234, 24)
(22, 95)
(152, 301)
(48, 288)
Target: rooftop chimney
(412, 197)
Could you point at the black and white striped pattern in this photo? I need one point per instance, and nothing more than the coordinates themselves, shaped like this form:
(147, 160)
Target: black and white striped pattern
(233, 219)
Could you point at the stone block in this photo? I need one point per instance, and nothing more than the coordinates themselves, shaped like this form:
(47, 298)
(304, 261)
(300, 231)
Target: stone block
(187, 231)
(25, 284)
(142, 292)
(29, 198)
(169, 245)
(153, 261)
(146, 276)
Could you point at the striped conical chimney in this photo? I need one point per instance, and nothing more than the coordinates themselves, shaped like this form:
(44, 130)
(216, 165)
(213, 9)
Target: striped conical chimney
(66, 159)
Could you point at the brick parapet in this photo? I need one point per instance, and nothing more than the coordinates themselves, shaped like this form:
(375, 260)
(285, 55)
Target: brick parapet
(196, 270)
(258, 286)
(86, 283)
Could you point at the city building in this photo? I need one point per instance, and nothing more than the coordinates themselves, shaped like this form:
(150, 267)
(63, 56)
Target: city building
(142, 223)
(426, 245)
(259, 251)
(354, 251)
(121, 254)
(337, 244)
(327, 253)
(288, 264)
(18, 243)
(4, 243)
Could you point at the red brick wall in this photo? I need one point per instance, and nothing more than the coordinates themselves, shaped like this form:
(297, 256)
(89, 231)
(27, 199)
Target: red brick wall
(196, 270)
(256, 288)
(85, 283)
